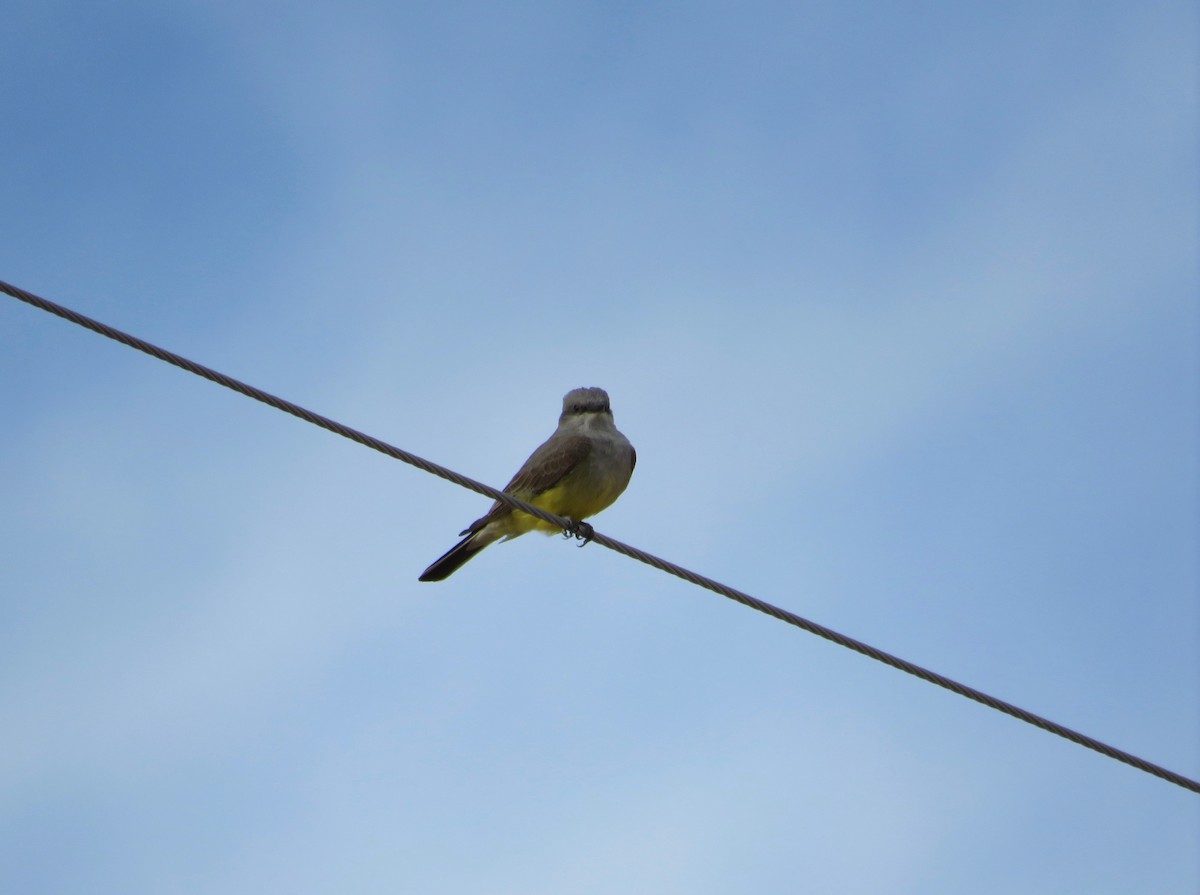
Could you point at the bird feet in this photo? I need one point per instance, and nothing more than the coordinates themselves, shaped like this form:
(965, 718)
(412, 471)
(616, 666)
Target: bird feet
(580, 531)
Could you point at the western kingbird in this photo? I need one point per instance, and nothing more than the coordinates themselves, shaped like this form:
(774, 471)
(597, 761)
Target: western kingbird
(579, 471)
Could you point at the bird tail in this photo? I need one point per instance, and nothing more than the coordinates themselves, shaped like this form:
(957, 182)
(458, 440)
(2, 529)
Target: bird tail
(450, 561)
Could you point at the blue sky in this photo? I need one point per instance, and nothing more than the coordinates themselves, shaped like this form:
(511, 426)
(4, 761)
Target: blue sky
(898, 304)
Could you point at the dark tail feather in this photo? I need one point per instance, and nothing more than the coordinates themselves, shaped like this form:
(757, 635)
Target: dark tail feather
(448, 563)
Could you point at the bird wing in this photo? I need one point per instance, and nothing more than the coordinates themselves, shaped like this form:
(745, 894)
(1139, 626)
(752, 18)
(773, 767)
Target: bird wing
(545, 468)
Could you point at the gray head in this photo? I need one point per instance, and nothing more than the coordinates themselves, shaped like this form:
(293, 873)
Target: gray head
(582, 401)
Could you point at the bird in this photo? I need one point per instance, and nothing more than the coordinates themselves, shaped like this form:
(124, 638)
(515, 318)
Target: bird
(577, 472)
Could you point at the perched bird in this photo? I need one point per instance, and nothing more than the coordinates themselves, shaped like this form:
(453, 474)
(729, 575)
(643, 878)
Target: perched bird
(580, 470)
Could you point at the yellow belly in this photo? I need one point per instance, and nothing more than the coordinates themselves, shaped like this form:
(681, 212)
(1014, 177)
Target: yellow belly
(564, 500)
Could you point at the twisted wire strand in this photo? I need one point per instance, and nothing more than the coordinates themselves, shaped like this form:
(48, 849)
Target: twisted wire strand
(901, 664)
(611, 543)
(278, 403)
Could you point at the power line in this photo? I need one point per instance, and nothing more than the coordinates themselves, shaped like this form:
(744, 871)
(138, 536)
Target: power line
(611, 543)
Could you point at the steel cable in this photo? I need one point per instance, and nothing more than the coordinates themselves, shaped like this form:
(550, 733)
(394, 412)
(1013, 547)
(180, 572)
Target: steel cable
(633, 552)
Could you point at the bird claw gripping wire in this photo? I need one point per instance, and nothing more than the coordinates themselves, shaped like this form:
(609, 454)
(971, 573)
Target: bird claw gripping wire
(580, 531)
